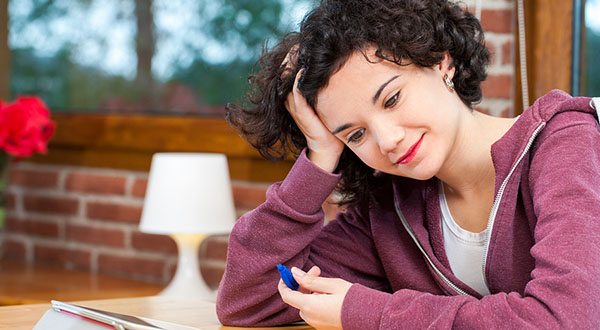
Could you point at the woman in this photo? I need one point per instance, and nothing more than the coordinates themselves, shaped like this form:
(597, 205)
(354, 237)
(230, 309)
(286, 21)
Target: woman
(453, 219)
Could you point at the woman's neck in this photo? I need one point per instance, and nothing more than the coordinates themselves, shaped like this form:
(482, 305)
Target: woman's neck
(469, 171)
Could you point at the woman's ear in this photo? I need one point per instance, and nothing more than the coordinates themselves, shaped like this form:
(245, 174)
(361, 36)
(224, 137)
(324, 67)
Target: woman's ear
(446, 66)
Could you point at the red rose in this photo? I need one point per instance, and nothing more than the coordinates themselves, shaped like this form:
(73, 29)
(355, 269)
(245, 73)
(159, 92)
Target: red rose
(25, 126)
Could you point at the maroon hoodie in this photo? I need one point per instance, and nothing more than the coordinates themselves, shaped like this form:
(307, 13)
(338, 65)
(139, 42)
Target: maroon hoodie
(542, 257)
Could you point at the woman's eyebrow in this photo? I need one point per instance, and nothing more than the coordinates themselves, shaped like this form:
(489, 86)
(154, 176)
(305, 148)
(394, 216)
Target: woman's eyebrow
(341, 128)
(382, 87)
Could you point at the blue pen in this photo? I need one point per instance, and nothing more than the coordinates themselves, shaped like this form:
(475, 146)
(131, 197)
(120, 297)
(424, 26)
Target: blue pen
(287, 277)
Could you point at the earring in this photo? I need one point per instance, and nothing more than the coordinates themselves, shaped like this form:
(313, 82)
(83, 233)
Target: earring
(449, 83)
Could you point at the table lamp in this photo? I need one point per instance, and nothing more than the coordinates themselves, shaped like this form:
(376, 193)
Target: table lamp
(188, 198)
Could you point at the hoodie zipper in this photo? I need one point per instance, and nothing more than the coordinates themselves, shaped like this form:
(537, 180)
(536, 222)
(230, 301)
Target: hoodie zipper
(414, 237)
(491, 220)
(496, 204)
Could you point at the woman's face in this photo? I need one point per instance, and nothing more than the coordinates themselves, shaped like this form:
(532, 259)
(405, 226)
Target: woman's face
(401, 120)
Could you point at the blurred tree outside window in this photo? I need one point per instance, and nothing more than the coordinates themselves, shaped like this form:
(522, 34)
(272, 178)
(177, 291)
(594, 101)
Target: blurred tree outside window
(151, 56)
(591, 72)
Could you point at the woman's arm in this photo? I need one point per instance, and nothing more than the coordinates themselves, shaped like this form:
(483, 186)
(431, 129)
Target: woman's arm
(288, 229)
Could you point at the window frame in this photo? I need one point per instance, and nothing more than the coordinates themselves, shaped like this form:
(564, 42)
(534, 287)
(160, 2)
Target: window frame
(128, 141)
(548, 28)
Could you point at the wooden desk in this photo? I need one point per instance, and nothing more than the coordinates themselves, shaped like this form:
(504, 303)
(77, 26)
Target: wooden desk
(22, 283)
(193, 313)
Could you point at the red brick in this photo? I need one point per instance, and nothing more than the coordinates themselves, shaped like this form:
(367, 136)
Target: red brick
(151, 242)
(13, 249)
(94, 183)
(57, 205)
(63, 256)
(10, 200)
(139, 187)
(507, 53)
(497, 20)
(212, 274)
(497, 86)
(215, 248)
(96, 236)
(114, 212)
(128, 266)
(248, 197)
(32, 227)
(33, 179)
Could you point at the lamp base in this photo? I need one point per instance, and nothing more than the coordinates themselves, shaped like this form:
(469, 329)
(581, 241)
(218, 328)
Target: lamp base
(188, 282)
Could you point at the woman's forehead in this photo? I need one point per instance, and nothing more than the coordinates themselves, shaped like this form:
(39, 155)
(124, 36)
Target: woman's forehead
(360, 76)
(355, 89)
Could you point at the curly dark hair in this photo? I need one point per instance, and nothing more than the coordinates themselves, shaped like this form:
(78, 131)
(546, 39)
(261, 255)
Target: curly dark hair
(402, 31)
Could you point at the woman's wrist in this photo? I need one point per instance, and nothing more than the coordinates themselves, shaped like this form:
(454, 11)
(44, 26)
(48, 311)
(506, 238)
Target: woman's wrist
(326, 161)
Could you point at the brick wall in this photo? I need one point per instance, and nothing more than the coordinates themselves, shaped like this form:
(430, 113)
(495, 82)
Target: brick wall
(498, 24)
(87, 218)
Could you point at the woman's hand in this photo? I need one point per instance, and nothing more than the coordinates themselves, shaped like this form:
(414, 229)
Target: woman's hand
(324, 149)
(319, 299)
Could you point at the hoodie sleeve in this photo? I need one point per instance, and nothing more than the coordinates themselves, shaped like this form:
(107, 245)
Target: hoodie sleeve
(288, 229)
(563, 292)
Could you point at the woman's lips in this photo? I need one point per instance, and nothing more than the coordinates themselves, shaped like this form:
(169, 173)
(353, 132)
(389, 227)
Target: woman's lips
(411, 153)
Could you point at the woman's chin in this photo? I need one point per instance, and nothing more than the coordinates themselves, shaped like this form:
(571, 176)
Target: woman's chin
(416, 174)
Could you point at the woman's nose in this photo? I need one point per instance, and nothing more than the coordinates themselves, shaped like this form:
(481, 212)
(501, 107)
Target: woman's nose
(389, 137)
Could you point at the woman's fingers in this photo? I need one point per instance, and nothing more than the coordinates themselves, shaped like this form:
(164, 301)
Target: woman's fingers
(314, 271)
(296, 102)
(289, 296)
(324, 148)
(321, 310)
(319, 284)
(289, 62)
(304, 115)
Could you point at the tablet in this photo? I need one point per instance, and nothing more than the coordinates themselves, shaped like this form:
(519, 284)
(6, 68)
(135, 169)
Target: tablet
(110, 319)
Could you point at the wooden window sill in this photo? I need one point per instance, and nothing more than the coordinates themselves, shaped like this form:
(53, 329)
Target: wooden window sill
(128, 141)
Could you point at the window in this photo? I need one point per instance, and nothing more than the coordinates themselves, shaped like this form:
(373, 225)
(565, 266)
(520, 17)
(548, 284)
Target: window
(590, 80)
(128, 78)
(157, 56)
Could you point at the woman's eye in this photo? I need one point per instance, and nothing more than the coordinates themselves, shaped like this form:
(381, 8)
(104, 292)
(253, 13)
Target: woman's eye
(392, 100)
(356, 136)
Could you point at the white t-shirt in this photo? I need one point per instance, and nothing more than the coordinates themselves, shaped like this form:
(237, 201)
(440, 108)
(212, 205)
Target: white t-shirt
(463, 248)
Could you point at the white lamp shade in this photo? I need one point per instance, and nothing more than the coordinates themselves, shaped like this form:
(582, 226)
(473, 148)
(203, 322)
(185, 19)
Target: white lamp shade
(188, 193)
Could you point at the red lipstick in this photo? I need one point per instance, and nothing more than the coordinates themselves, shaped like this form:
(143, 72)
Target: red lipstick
(411, 153)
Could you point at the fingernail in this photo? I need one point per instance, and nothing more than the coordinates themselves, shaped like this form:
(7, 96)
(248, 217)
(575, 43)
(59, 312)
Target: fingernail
(297, 272)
